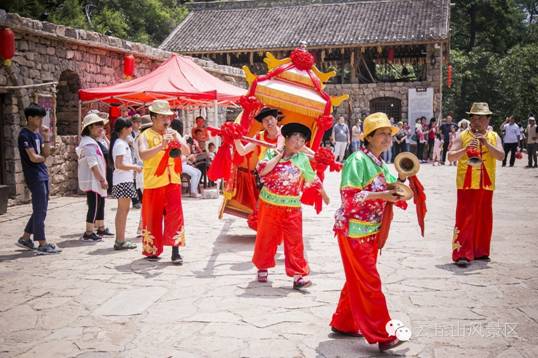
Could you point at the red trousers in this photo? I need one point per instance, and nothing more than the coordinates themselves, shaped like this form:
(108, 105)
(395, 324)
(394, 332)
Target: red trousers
(474, 224)
(277, 224)
(158, 205)
(362, 306)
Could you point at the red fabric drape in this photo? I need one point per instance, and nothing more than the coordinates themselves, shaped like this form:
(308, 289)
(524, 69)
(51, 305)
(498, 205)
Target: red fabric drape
(419, 199)
(163, 164)
(221, 166)
(383, 234)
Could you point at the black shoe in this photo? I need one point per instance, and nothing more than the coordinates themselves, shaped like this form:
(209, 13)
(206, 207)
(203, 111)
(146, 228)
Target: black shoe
(153, 258)
(462, 262)
(104, 232)
(48, 249)
(342, 333)
(483, 258)
(177, 259)
(383, 346)
(25, 243)
(91, 237)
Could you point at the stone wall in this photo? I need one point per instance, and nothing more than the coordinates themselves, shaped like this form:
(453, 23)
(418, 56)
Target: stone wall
(362, 94)
(67, 59)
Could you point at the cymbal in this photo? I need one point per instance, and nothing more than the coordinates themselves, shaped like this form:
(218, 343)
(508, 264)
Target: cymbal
(402, 190)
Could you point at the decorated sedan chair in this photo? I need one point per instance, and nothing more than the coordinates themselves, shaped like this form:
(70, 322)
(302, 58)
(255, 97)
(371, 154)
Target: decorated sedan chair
(294, 87)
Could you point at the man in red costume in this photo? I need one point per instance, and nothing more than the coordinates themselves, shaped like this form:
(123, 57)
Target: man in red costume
(162, 185)
(476, 149)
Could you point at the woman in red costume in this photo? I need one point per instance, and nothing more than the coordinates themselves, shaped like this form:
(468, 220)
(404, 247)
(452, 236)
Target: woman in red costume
(362, 309)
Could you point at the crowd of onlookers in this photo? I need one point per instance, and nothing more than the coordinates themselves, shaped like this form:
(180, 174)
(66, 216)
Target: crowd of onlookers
(431, 140)
(109, 165)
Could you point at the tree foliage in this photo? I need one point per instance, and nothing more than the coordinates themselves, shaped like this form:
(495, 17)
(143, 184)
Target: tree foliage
(146, 21)
(494, 57)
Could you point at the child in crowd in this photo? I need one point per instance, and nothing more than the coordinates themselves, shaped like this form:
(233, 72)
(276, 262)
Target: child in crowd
(123, 187)
(92, 174)
(437, 147)
(211, 148)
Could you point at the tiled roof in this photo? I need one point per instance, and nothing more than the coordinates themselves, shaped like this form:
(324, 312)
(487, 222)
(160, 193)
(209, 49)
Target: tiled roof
(261, 25)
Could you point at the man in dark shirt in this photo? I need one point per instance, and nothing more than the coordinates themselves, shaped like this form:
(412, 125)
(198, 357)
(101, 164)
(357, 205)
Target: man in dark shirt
(445, 131)
(34, 148)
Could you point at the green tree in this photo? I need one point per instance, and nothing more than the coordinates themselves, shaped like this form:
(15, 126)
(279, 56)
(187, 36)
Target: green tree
(146, 21)
(494, 51)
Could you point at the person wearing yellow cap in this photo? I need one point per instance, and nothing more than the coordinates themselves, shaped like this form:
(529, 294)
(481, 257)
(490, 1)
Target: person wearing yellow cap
(362, 309)
(161, 201)
(476, 149)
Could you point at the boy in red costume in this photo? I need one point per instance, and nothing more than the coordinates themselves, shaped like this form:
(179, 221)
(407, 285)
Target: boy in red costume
(284, 174)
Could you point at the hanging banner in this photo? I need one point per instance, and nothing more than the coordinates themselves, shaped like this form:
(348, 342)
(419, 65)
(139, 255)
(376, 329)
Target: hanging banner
(420, 103)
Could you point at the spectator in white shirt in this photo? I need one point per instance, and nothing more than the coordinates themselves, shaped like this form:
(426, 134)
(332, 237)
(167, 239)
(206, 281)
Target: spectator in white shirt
(512, 135)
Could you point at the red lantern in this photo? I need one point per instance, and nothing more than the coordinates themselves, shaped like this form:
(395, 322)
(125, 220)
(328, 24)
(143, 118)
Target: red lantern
(7, 45)
(449, 76)
(128, 66)
(114, 111)
(390, 55)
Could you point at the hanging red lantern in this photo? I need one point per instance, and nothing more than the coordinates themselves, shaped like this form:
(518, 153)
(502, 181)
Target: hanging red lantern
(449, 76)
(7, 45)
(114, 111)
(390, 55)
(128, 66)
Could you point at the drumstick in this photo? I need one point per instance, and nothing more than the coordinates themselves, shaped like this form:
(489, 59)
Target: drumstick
(257, 141)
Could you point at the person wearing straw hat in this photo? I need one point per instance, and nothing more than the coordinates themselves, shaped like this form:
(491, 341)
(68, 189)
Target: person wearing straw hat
(162, 185)
(92, 173)
(362, 309)
(475, 180)
(284, 174)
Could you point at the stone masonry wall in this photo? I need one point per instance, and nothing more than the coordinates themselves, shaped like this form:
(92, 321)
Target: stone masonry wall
(71, 58)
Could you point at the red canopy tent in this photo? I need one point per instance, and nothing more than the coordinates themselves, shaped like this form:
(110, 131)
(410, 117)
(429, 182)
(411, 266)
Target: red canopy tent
(179, 80)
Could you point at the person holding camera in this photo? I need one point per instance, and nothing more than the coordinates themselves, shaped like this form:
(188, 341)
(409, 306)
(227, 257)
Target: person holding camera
(511, 138)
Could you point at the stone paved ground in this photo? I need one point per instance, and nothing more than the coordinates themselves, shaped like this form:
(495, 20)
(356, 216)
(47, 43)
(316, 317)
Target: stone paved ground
(91, 301)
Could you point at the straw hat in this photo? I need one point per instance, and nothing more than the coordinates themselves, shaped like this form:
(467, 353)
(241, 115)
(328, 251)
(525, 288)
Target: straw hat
(146, 121)
(375, 121)
(92, 118)
(460, 123)
(103, 115)
(480, 108)
(161, 106)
